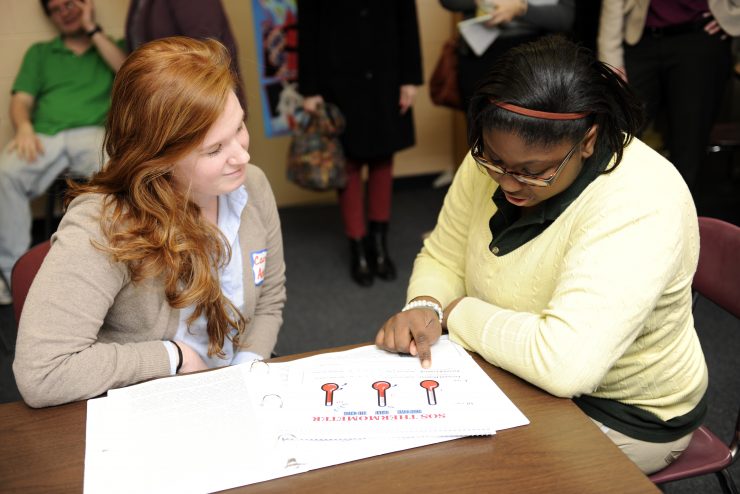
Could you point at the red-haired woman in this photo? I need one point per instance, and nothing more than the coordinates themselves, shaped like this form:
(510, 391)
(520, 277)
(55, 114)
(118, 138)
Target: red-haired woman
(170, 259)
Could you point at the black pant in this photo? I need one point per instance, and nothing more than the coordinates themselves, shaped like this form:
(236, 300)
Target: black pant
(685, 73)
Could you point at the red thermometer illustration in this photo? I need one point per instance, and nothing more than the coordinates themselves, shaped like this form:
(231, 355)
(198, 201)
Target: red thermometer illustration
(329, 389)
(381, 387)
(430, 386)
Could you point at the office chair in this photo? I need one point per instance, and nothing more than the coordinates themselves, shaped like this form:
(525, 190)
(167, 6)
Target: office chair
(725, 138)
(718, 279)
(23, 273)
(53, 194)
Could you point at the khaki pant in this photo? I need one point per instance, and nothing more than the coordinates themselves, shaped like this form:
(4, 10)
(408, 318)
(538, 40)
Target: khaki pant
(649, 457)
(78, 150)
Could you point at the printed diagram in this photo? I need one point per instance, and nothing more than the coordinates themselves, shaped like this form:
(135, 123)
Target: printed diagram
(329, 389)
(430, 386)
(381, 387)
(382, 395)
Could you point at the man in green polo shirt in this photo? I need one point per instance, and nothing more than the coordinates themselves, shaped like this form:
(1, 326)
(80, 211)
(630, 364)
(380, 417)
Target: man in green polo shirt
(60, 100)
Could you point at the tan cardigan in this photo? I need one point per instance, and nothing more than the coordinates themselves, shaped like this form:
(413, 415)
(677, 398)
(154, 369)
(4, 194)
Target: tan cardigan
(86, 328)
(624, 21)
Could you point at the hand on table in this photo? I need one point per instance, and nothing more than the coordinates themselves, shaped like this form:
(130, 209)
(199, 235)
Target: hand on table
(191, 361)
(413, 331)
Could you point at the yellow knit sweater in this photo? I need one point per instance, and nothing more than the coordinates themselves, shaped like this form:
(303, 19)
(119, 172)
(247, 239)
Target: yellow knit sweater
(599, 303)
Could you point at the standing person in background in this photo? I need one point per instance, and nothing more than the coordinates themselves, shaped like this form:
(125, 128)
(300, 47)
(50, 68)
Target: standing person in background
(365, 57)
(674, 53)
(148, 20)
(170, 260)
(60, 99)
(518, 21)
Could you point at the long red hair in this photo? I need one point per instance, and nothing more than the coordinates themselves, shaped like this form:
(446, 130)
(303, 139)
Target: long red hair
(165, 98)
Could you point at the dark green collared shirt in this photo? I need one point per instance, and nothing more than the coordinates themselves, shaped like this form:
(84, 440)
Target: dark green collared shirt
(510, 230)
(641, 424)
(70, 90)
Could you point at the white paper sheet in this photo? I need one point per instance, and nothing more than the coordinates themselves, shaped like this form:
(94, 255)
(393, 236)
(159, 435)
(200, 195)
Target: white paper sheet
(241, 424)
(471, 402)
(478, 36)
(195, 433)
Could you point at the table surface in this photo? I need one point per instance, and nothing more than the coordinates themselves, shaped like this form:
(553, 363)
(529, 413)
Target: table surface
(561, 450)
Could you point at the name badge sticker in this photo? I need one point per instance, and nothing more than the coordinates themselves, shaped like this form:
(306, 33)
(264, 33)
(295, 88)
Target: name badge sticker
(259, 260)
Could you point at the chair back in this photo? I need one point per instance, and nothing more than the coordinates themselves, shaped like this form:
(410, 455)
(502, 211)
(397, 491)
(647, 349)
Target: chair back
(718, 274)
(23, 273)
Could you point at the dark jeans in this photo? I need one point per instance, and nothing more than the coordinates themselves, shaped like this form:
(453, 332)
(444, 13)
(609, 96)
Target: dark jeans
(686, 74)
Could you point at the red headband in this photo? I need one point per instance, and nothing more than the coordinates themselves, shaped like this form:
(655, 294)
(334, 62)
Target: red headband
(539, 114)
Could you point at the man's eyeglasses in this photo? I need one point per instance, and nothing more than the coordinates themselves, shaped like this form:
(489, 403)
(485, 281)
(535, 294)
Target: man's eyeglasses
(536, 180)
(62, 8)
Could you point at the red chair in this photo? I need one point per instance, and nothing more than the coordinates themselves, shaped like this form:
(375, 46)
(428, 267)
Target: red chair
(718, 279)
(23, 273)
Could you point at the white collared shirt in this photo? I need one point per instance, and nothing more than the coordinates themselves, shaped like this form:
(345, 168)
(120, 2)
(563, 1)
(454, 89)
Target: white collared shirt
(230, 207)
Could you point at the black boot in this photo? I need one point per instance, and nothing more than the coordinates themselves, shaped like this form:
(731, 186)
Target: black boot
(360, 268)
(384, 267)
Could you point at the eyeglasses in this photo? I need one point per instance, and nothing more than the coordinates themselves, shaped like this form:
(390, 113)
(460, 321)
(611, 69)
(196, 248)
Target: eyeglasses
(62, 8)
(536, 180)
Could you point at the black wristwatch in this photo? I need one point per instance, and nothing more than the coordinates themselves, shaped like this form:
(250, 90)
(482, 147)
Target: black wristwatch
(96, 29)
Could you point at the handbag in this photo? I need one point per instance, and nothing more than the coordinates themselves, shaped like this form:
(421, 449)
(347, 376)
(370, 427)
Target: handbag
(316, 159)
(443, 87)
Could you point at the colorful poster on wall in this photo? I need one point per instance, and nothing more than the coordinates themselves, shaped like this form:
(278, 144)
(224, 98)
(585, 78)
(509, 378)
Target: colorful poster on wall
(276, 30)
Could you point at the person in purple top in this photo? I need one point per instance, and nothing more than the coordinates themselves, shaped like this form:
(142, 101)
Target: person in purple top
(675, 54)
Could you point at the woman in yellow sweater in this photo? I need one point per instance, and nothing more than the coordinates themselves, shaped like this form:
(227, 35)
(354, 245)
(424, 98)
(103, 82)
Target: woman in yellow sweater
(564, 253)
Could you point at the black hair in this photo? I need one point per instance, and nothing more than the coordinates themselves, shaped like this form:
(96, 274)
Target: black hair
(554, 74)
(45, 5)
